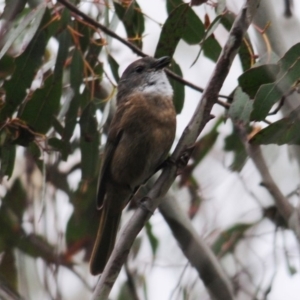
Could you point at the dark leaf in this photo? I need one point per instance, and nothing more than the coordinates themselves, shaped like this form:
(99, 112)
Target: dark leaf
(83, 224)
(193, 30)
(35, 153)
(233, 143)
(59, 145)
(76, 71)
(205, 144)
(26, 66)
(179, 90)
(172, 31)
(289, 58)
(133, 21)
(8, 269)
(93, 52)
(246, 54)
(284, 131)
(241, 107)
(89, 142)
(85, 37)
(252, 79)
(7, 160)
(211, 48)
(197, 2)
(44, 104)
(64, 40)
(273, 215)
(287, 80)
(114, 66)
(16, 199)
(228, 239)
(7, 66)
(76, 79)
(19, 34)
(152, 238)
(57, 126)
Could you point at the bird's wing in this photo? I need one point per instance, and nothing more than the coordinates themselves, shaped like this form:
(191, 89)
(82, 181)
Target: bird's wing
(113, 138)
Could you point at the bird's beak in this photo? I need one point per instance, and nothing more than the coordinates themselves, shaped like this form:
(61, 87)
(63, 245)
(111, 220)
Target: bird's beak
(161, 62)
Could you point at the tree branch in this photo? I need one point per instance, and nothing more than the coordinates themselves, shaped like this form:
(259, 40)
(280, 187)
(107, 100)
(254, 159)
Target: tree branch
(196, 251)
(165, 180)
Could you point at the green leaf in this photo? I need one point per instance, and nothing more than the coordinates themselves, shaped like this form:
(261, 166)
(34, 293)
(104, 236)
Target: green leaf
(125, 292)
(26, 66)
(39, 111)
(228, 239)
(133, 21)
(211, 48)
(241, 107)
(35, 152)
(289, 58)
(94, 51)
(266, 97)
(7, 160)
(7, 66)
(114, 66)
(16, 199)
(76, 81)
(86, 34)
(83, 223)
(284, 131)
(27, 26)
(89, 142)
(251, 80)
(205, 143)
(178, 88)
(233, 143)
(246, 54)
(57, 126)
(193, 30)
(8, 270)
(62, 146)
(287, 80)
(152, 238)
(172, 31)
(64, 40)
(76, 71)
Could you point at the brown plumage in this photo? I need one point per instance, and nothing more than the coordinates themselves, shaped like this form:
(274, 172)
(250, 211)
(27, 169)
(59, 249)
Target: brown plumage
(139, 139)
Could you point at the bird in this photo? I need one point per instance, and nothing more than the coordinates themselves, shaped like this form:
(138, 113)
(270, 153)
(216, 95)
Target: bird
(139, 139)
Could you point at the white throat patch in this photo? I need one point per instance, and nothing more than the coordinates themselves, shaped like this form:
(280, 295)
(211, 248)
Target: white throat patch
(158, 83)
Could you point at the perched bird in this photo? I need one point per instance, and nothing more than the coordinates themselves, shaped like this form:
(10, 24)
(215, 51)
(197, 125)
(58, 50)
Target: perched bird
(139, 138)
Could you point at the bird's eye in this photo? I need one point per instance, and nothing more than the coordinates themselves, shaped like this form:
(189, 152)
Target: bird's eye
(139, 69)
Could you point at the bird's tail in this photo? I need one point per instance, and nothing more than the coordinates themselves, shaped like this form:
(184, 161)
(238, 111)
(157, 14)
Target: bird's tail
(105, 240)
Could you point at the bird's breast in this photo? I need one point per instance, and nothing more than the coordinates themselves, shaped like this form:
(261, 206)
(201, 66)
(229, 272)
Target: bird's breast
(148, 127)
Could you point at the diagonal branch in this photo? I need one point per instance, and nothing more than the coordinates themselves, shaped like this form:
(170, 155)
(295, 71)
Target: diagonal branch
(133, 47)
(196, 251)
(165, 180)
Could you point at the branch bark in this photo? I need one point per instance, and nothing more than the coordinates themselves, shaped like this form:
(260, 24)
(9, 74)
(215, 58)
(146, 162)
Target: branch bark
(196, 251)
(195, 126)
